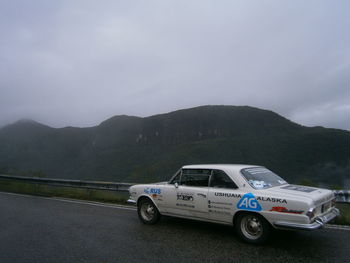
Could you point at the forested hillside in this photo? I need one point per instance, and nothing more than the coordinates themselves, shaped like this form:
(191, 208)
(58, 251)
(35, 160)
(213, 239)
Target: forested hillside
(133, 149)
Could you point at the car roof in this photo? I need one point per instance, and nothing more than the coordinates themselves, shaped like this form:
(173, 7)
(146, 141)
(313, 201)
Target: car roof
(219, 166)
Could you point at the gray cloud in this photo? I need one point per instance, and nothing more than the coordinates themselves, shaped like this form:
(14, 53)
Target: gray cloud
(80, 62)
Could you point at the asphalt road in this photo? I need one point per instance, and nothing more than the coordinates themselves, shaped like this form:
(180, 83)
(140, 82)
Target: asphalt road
(36, 229)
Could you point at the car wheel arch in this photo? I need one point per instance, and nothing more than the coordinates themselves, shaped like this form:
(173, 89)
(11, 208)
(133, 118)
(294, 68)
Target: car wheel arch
(240, 212)
(252, 227)
(143, 197)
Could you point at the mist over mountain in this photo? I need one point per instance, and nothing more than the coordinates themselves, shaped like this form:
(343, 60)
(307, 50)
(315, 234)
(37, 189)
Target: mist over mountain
(133, 149)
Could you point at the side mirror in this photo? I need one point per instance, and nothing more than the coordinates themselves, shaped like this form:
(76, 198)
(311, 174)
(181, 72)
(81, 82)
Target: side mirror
(176, 185)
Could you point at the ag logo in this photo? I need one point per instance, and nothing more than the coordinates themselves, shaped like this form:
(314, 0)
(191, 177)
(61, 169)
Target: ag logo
(248, 202)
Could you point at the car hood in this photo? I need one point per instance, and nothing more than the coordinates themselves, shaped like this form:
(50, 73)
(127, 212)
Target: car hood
(162, 183)
(317, 195)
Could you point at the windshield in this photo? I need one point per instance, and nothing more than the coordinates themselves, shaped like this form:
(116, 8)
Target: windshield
(262, 178)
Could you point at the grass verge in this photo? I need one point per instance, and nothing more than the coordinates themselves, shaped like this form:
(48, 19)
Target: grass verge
(109, 196)
(344, 218)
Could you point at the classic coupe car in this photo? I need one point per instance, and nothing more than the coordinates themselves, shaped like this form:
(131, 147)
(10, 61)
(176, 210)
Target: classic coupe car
(251, 198)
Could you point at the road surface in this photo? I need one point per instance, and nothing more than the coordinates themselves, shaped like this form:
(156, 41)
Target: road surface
(37, 229)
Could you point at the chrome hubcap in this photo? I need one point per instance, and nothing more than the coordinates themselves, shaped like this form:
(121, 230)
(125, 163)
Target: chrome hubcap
(147, 211)
(251, 227)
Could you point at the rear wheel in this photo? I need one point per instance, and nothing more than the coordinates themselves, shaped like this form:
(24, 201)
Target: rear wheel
(148, 212)
(252, 228)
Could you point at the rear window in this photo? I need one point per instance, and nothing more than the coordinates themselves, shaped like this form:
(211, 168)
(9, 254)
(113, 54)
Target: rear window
(220, 179)
(262, 178)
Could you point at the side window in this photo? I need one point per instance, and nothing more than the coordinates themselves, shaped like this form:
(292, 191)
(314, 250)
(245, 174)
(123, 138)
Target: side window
(220, 179)
(195, 177)
(177, 178)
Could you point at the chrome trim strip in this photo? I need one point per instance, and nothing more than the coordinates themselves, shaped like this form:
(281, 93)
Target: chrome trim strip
(320, 221)
(197, 218)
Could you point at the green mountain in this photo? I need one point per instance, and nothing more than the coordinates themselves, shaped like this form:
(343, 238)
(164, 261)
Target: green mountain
(132, 149)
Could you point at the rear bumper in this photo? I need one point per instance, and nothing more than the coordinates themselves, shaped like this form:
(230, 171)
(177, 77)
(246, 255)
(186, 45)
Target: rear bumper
(319, 222)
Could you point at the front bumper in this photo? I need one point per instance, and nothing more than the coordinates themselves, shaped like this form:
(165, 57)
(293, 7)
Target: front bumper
(320, 221)
(131, 201)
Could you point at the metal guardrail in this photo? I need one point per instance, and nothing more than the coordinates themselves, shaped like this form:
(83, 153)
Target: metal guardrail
(342, 196)
(122, 187)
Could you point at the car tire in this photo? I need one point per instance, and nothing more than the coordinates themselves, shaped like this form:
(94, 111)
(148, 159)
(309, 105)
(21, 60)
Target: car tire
(148, 212)
(252, 228)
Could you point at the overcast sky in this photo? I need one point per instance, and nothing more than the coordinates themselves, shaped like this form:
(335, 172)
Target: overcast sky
(80, 62)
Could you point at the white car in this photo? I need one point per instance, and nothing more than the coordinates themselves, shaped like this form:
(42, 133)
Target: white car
(251, 198)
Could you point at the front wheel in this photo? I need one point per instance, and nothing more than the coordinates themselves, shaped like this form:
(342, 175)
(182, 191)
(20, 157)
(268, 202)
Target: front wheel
(252, 228)
(148, 212)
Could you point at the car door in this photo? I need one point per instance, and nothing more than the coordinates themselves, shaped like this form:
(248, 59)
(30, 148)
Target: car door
(187, 193)
(223, 196)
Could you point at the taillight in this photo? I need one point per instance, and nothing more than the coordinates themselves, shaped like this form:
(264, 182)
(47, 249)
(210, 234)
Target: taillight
(310, 213)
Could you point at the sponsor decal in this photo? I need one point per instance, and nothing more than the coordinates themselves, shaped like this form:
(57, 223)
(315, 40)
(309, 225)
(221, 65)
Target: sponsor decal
(257, 170)
(219, 203)
(158, 197)
(227, 195)
(185, 197)
(282, 209)
(258, 198)
(248, 202)
(258, 184)
(219, 207)
(185, 205)
(271, 199)
(219, 212)
(299, 188)
(148, 190)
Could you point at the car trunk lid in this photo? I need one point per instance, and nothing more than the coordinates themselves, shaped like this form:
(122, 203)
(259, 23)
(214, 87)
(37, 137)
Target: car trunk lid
(317, 195)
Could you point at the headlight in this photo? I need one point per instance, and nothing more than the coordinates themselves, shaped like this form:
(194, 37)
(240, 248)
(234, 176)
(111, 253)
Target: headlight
(132, 191)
